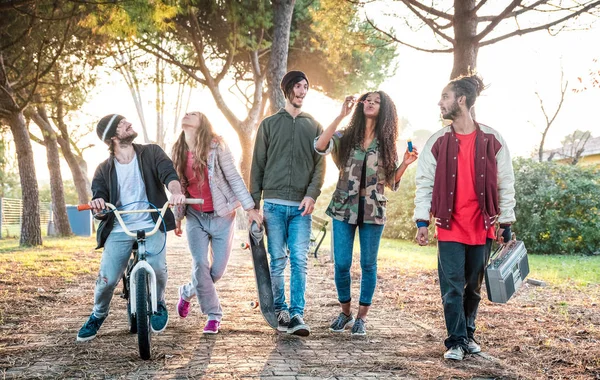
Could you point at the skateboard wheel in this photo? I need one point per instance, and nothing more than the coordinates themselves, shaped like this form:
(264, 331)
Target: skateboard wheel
(245, 245)
(254, 304)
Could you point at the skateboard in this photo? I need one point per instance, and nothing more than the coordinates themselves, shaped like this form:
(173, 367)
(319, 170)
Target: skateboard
(262, 274)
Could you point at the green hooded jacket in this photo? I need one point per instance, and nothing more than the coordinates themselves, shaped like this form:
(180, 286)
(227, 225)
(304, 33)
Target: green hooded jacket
(284, 163)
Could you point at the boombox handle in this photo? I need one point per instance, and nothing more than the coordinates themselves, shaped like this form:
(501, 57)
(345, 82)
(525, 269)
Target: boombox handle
(493, 256)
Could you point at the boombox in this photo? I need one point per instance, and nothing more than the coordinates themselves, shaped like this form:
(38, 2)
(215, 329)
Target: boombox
(506, 271)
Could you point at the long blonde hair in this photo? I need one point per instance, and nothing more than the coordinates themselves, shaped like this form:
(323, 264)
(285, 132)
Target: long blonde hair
(204, 136)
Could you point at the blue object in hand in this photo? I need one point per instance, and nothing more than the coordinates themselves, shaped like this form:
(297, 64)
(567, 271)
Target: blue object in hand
(409, 145)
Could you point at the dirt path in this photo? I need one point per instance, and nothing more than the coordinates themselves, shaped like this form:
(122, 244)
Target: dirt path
(404, 335)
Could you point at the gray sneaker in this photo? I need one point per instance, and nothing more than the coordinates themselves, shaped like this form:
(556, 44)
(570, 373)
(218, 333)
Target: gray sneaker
(359, 327)
(473, 347)
(283, 320)
(455, 353)
(341, 322)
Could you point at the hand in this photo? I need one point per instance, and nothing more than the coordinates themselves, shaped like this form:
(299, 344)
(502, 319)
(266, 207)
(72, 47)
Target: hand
(254, 215)
(177, 199)
(347, 106)
(308, 204)
(503, 235)
(178, 230)
(97, 205)
(423, 236)
(410, 157)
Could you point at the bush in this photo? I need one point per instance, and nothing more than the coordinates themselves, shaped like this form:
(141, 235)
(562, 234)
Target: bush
(557, 207)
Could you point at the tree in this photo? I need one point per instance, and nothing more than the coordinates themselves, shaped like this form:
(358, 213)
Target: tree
(550, 120)
(140, 69)
(573, 145)
(61, 220)
(219, 42)
(282, 23)
(29, 49)
(465, 30)
(33, 37)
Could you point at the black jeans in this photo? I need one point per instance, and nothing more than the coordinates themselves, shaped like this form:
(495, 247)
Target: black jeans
(461, 268)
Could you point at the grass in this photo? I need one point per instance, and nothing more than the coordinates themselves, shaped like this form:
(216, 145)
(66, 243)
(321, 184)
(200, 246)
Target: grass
(67, 257)
(558, 270)
(57, 258)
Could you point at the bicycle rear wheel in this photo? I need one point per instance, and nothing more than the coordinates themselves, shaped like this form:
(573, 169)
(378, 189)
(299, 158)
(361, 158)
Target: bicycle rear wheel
(143, 313)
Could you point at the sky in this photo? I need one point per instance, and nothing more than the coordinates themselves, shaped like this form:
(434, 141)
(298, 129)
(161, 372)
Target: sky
(513, 69)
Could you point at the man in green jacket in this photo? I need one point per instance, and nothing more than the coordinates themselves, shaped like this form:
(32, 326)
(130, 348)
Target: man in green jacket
(288, 174)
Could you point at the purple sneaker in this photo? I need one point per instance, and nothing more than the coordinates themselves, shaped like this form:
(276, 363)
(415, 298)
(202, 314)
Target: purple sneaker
(183, 306)
(212, 327)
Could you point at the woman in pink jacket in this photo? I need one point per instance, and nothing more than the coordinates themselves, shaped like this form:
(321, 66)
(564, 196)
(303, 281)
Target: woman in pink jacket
(206, 169)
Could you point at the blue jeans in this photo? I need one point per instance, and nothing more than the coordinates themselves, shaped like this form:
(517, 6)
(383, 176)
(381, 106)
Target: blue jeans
(461, 268)
(287, 229)
(115, 256)
(343, 245)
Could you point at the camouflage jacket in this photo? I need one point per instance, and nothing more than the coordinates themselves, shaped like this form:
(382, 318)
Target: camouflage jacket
(345, 200)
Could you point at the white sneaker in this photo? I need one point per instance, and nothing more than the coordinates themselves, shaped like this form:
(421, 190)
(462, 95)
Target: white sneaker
(473, 347)
(455, 353)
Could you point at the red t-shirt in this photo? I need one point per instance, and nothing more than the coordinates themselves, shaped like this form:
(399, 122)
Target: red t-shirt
(198, 189)
(467, 221)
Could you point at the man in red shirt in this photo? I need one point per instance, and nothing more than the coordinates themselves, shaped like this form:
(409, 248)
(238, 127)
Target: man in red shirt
(465, 180)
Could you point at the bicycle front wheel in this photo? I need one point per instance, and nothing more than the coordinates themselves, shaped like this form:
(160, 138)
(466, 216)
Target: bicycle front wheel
(143, 313)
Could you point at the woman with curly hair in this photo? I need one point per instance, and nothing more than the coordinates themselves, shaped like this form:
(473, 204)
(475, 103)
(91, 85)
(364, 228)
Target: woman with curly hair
(365, 154)
(206, 169)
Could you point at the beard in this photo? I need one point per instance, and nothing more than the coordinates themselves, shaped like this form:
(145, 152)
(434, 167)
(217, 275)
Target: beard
(127, 140)
(453, 113)
(296, 105)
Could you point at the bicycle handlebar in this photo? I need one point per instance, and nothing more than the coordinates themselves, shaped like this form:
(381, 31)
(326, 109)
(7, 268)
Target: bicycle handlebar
(117, 212)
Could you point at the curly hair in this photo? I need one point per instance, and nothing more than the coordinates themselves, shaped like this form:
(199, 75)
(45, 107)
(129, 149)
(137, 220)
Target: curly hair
(204, 136)
(386, 132)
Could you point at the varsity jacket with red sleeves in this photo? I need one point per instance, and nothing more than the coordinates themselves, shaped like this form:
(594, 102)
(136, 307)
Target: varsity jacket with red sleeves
(436, 178)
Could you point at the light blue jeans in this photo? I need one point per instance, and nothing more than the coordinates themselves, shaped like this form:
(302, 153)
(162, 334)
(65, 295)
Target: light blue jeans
(115, 256)
(288, 229)
(210, 238)
(343, 245)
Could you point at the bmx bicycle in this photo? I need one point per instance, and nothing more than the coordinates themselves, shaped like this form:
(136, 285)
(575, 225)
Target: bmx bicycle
(139, 279)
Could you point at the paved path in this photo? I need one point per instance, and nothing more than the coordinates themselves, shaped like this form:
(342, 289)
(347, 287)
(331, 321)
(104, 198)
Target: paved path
(396, 345)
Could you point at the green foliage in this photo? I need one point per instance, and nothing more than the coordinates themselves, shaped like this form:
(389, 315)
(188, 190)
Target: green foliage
(68, 188)
(557, 207)
(9, 176)
(339, 50)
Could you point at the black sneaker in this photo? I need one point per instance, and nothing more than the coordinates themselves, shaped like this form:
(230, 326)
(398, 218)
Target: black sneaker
(90, 328)
(298, 327)
(158, 321)
(283, 320)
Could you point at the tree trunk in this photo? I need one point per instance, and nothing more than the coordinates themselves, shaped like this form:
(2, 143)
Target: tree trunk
(59, 209)
(78, 168)
(282, 14)
(465, 31)
(31, 234)
(247, 145)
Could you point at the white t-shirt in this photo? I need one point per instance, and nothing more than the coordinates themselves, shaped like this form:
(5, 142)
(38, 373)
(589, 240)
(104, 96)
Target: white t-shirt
(132, 189)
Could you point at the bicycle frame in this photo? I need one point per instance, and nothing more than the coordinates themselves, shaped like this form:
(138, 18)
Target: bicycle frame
(141, 236)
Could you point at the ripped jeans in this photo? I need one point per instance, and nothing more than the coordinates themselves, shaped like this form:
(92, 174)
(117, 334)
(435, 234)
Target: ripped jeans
(115, 256)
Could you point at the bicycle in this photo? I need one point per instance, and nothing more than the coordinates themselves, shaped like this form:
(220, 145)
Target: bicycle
(139, 279)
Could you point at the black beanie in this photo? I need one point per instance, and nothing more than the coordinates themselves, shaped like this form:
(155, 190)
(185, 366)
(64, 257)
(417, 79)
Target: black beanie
(107, 127)
(291, 75)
